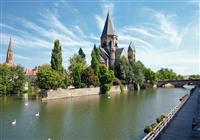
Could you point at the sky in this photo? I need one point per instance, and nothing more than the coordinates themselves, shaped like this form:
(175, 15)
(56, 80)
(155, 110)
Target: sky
(165, 33)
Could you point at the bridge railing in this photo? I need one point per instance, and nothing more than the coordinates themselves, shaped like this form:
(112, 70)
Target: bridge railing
(158, 129)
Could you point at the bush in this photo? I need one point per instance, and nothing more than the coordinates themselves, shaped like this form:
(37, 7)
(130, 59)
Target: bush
(106, 79)
(161, 118)
(150, 128)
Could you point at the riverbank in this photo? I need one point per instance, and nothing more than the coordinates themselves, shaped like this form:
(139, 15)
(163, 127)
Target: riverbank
(70, 93)
(179, 121)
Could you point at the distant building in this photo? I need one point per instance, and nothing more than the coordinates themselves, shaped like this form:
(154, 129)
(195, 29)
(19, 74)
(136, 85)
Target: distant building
(10, 55)
(31, 73)
(109, 51)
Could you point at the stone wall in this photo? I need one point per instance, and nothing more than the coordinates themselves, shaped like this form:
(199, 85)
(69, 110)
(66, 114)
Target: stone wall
(68, 93)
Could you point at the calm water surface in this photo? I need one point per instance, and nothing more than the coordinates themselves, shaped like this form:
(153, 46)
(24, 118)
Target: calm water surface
(92, 117)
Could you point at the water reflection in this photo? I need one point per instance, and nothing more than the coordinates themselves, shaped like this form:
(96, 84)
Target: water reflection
(123, 116)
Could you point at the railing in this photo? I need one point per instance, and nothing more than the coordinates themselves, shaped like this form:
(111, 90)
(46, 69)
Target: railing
(158, 129)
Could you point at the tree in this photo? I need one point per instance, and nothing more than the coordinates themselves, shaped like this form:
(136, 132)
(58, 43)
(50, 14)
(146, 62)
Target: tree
(106, 79)
(122, 69)
(166, 74)
(95, 62)
(150, 77)
(56, 57)
(197, 76)
(81, 53)
(12, 79)
(20, 79)
(48, 78)
(77, 65)
(89, 78)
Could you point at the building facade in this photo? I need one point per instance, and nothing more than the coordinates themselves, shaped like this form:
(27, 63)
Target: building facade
(109, 50)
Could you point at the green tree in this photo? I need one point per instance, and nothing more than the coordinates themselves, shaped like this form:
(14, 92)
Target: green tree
(19, 78)
(150, 77)
(194, 76)
(106, 79)
(56, 57)
(77, 65)
(122, 69)
(12, 79)
(81, 53)
(89, 78)
(95, 62)
(166, 74)
(48, 78)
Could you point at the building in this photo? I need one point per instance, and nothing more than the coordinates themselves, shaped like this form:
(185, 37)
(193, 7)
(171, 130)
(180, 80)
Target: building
(31, 73)
(109, 50)
(10, 55)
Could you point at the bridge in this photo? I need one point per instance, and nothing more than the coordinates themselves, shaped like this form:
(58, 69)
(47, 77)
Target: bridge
(178, 83)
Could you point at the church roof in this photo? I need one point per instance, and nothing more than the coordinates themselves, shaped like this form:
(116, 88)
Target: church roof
(103, 53)
(108, 27)
(119, 52)
(131, 47)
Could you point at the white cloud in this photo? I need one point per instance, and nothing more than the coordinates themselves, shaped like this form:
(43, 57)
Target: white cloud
(149, 32)
(167, 26)
(100, 22)
(100, 19)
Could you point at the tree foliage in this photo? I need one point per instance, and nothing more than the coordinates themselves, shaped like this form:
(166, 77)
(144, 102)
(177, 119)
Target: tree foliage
(48, 78)
(89, 78)
(95, 55)
(106, 79)
(166, 74)
(56, 57)
(12, 79)
(81, 53)
(77, 65)
(195, 76)
(122, 69)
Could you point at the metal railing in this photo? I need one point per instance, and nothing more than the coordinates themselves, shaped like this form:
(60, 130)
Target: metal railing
(158, 129)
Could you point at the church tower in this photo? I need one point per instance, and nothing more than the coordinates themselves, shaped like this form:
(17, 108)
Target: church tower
(131, 52)
(10, 53)
(109, 40)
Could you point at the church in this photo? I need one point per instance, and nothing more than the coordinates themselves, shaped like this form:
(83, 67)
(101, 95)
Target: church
(109, 50)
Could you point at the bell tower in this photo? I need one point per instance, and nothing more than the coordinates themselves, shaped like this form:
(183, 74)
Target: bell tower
(109, 40)
(10, 53)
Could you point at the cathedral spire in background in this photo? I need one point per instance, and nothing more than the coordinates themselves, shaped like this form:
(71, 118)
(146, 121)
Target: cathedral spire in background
(10, 53)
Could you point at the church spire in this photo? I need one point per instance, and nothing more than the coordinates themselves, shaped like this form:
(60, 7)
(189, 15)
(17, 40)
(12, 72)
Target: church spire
(131, 52)
(108, 27)
(131, 47)
(9, 57)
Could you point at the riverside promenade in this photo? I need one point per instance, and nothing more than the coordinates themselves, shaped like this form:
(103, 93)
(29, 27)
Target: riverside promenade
(180, 128)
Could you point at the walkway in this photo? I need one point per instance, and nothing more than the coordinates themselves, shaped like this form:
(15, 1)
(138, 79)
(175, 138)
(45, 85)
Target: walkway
(180, 128)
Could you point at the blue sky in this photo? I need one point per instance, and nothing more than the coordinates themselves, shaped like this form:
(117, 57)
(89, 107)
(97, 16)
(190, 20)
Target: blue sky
(165, 34)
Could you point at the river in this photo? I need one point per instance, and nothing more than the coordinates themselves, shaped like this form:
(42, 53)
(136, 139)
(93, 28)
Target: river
(123, 116)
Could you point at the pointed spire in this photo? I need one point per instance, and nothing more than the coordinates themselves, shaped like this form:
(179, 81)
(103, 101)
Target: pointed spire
(10, 45)
(9, 57)
(108, 27)
(131, 47)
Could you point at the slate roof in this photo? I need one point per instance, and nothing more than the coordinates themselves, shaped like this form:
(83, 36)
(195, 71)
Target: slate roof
(118, 52)
(108, 27)
(103, 53)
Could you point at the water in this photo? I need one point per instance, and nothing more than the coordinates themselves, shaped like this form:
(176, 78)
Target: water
(92, 117)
